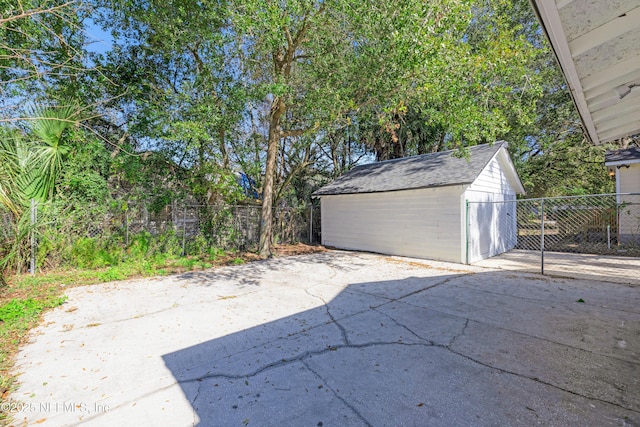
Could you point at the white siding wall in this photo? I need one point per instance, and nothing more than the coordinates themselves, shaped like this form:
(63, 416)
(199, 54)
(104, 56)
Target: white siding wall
(630, 179)
(493, 178)
(492, 226)
(424, 223)
(629, 182)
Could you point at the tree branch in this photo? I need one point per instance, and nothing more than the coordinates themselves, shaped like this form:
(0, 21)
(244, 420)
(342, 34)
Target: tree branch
(32, 12)
(293, 132)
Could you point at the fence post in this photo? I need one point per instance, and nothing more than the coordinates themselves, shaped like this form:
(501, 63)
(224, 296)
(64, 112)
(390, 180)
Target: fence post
(236, 226)
(34, 218)
(311, 224)
(184, 230)
(466, 232)
(542, 237)
(126, 226)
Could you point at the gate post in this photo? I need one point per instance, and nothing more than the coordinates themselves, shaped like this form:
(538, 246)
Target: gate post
(466, 232)
(34, 219)
(311, 224)
(184, 230)
(542, 236)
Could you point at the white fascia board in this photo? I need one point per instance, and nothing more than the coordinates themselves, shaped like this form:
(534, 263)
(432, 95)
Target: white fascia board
(622, 162)
(510, 170)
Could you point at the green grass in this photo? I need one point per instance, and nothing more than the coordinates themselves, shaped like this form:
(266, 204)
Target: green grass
(17, 316)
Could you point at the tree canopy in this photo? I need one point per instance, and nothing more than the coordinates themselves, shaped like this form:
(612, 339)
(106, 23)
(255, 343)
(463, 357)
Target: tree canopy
(288, 93)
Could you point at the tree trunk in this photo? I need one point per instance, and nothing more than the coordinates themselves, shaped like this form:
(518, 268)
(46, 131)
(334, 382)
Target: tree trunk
(282, 61)
(266, 216)
(223, 150)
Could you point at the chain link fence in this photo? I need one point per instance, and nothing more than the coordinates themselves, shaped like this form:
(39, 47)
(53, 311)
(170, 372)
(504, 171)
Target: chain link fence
(606, 224)
(7, 232)
(59, 232)
(6, 226)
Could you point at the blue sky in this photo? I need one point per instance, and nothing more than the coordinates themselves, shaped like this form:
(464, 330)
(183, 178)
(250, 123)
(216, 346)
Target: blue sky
(100, 41)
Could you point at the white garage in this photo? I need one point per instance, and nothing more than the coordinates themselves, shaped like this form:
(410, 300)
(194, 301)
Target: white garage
(417, 206)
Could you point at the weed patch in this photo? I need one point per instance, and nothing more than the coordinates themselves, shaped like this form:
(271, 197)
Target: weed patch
(17, 316)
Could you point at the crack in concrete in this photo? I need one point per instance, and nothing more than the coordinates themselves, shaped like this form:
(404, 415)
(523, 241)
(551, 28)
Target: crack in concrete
(126, 319)
(298, 358)
(547, 340)
(302, 358)
(398, 299)
(343, 331)
(519, 375)
(193, 405)
(335, 393)
(412, 332)
(308, 354)
(536, 379)
(435, 285)
(173, 306)
(461, 333)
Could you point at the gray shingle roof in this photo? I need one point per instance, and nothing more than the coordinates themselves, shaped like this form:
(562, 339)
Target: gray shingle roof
(427, 170)
(625, 154)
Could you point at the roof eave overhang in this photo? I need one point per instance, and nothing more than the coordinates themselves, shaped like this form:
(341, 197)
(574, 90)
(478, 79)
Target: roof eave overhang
(597, 45)
(462, 184)
(547, 12)
(622, 162)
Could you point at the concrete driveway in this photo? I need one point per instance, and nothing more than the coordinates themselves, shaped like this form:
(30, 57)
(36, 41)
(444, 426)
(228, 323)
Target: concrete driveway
(337, 339)
(618, 269)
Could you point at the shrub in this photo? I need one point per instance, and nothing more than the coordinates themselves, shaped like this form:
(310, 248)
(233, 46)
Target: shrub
(168, 244)
(139, 246)
(198, 246)
(215, 252)
(87, 252)
(84, 252)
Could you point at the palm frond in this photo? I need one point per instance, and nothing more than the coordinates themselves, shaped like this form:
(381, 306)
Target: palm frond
(9, 171)
(48, 126)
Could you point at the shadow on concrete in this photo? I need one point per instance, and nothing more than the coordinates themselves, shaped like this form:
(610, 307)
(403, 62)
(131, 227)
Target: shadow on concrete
(252, 273)
(447, 350)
